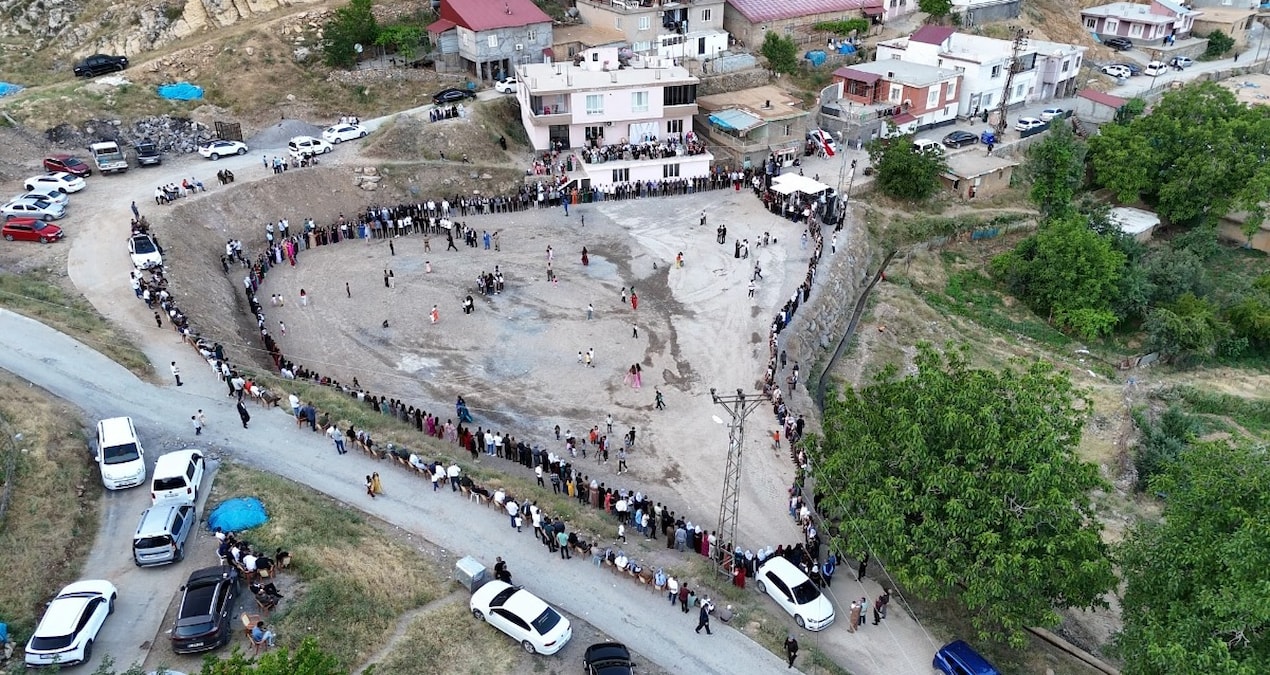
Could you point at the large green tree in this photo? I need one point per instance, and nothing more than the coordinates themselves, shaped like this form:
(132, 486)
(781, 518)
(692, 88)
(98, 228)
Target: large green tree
(781, 52)
(1196, 596)
(903, 173)
(1199, 155)
(1188, 327)
(964, 482)
(351, 25)
(1056, 169)
(937, 9)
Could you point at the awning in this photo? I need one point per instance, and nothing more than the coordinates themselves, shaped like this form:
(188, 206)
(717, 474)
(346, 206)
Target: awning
(735, 120)
(872, 11)
(440, 26)
(788, 183)
(857, 75)
(903, 118)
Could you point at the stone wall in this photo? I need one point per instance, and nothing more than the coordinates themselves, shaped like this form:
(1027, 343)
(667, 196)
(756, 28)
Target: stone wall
(745, 79)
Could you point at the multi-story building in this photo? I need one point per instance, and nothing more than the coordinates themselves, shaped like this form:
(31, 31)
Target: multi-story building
(746, 127)
(910, 96)
(667, 28)
(1143, 24)
(488, 39)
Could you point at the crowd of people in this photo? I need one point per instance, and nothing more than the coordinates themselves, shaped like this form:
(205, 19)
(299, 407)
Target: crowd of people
(676, 145)
(166, 194)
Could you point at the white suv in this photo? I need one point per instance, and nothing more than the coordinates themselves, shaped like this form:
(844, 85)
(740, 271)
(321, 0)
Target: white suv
(119, 453)
(177, 477)
(308, 145)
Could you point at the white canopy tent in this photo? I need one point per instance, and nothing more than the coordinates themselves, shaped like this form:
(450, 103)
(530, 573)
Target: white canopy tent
(789, 183)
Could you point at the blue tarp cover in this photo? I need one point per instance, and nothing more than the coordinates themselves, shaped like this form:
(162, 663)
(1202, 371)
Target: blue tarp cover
(736, 120)
(181, 91)
(6, 88)
(237, 514)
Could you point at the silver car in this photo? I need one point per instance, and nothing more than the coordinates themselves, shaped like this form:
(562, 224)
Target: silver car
(40, 209)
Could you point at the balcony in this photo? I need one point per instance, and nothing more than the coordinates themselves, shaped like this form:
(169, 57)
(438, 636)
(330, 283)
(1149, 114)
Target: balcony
(545, 110)
(685, 110)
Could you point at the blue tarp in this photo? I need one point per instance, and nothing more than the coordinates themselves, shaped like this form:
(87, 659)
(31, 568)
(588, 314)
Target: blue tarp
(735, 120)
(6, 88)
(816, 57)
(237, 514)
(845, 48)
(181, 91)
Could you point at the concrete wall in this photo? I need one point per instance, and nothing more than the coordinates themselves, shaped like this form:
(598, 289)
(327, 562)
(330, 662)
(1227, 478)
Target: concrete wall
(746, 79)
(798, 28)
(981, 14)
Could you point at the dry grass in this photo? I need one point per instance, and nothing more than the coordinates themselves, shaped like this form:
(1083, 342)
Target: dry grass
(355, 582)
(52, 513)
(448, 640)
(414, 137)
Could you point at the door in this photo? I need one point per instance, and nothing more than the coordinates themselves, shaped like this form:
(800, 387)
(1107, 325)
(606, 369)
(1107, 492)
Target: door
(559, 133)
(701, 45)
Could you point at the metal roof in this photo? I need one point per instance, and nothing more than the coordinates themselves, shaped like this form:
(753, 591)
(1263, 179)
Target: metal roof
(480, 15)
(932, 35)
(735, 120)
(757, 11)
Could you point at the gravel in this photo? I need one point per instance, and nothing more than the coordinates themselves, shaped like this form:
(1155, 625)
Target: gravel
(277, 135)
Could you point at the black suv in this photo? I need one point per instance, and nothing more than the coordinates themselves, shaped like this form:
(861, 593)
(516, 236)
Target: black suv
(148, 153)
(1119, 44)
(202, 622)
(100, 64)
(608, 658)
(451, 95)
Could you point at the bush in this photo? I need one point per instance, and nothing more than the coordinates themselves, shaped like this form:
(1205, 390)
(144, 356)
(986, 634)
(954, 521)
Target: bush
(1163, 441)
(1218, 43)
(844, 26)
(1189, 327)
(781, 53)
(352, 24)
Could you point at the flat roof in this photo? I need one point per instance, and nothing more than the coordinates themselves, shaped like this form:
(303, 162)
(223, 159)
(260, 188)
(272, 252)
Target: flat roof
(589, 36)
(1225, 14)
(1252, 89)
(758, 11)
(542, 77)
(974, 164)
(766, 102)
(1129, 11)
(905, 72)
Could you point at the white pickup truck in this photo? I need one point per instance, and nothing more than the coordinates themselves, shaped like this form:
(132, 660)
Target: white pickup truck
(109, 157)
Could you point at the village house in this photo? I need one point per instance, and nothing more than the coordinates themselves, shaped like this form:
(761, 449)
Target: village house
(488, 39)
(894, 97)
(745, 127)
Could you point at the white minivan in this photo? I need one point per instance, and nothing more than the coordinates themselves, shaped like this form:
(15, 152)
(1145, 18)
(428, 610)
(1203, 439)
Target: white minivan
(119, 453)
(177, 476)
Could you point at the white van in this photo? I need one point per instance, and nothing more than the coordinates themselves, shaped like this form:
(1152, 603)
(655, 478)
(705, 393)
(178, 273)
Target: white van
(177, 476)
(119, 454)
(1155, 68)
(927, 145)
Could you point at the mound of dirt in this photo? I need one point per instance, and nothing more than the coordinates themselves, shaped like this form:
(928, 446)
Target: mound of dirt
(277, 135)
(414, 137)
(22, 154)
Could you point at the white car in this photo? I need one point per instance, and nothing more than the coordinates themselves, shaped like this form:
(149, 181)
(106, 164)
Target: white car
(1155, 68)
(61, 181)
(217, 149)
(177, 477)
(1051, 113)
(308, 145)
(144, 252)
(47, 194)
(795, 593)
(519, 613)
(823, 137)
(1118, 72)
(507, 86)
(1027, 124)
(344, 132)
(70, 625)
(26, 207)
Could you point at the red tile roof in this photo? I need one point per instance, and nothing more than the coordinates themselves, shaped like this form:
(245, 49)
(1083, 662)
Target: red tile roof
(757, 11)
(932, 35)
(440, 26)
(1100, 97)
(481, 15)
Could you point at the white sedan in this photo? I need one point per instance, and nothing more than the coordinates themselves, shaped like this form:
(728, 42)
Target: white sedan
(795, 593)
(217, 149)
(507, 86)
(144, 252)
(49, 194)
(519, 613)
(40, 209)
(344, 132)
(1051, 113)
(70, 625)
(308, 145)
(1027, 124)
(61, 181)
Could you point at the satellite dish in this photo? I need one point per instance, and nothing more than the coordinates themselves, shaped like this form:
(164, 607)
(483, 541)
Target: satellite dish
(358, 48)
(717, 419)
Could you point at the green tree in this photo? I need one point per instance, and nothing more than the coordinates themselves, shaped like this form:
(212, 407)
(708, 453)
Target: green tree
(1195, 597)
(1218, 43)
(781, 53)
(1174, 272)
(1067, 272)
(1162, 442)
(903, 173)
(844, 26)
(406, 39)
(938, 9)
(1249, 318)
(965, 483)
(1056, 169)
(1188, 327)
(307, 659)
(351, 25)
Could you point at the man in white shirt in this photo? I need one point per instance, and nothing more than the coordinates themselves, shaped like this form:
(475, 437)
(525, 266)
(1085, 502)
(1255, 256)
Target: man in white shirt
(500, 496)
(453, 473)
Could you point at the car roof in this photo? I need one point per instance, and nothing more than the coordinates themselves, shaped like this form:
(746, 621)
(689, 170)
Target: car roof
(606, 651)
(784, 569)
(23, 220)
(210, 575)
(63, 613)
(520, 602)
(178, 459)
(968, 657)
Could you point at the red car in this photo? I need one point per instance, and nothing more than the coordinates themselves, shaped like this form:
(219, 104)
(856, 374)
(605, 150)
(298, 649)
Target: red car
(68, 163)
(30, 229)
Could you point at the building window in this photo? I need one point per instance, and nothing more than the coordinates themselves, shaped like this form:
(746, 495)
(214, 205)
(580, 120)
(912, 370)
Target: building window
(595, 56)
(1065, 63)
(895, 94)
(639, 101)
(1018, 91)
(895, 57)
(642, 46)
(952, 90)
(1135, 30)
(492, 41)
(675, 126)
(595, 104)
(683, 94)
(617, 22)
(705, 15)
(645, 22)
(531, 36)
(621, 175)
(932, 97)
(1091, 24)
(1110, 26)
(996, 71)
(788, 130)
(669, 170)
(594, 133)
(987, 101)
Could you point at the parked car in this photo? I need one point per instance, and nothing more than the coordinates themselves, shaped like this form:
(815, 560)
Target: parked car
(217, 149)
(958, 658)
(177, 477)
(608, 658)
(49, 194)
(1182, 62)
(795, 593)
(520, 614)
(1052, 113)
(161, 534)
(1133, 68)
(100, 64)
(61, 181)
(148, 153)
(308, 145)
(144, 252)
(451, 95)
(957, 139)
(69, 164)
(924, 145)
(343, 132)
(70, 624)
(207, 603)
(117, 449)
(1117, 71)
(820, 136)
(1119, 44)
(507, 86)
(30, 229)
(41, 209)
(1155, 68)
(1028, 124)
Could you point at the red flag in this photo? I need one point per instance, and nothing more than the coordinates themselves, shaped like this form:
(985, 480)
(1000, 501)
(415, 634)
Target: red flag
(824, 143)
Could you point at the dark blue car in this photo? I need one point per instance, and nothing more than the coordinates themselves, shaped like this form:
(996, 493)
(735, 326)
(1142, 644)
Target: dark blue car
(958, 658)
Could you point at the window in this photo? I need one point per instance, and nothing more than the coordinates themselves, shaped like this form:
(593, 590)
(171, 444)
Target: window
(1135, 30)
(642, 46)
(595, 56)
(669, 170)
(1110, 26)
(895, 57)
(621, 175)
(952, 90)
(932, 97)
(788, 130)
(595, 104)
(645, 22)
(639, 101)
(705, 15)
(1018, 91)
(1091, 23)
(531, 36)
(492, 41)
(1065, 64)
(594, 133)
(987, 101)
(675, 126)
(617, 22)
(684, 94)
(996, 71)
(895, 94)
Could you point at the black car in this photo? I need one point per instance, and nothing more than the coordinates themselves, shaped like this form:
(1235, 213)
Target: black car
(957, 139)
(451, 95)
(608, 658)
(1119, 44)
(100, 64)
(207, 606)
(148, 153)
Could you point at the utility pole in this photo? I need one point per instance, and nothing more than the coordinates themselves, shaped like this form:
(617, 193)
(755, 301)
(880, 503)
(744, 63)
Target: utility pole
(1019, 43)
(739, 407)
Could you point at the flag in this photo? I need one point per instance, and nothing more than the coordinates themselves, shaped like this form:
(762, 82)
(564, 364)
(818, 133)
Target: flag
(824, 143)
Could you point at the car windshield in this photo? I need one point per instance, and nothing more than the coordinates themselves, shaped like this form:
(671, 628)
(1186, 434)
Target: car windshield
(186, 628)
(546, 621)
(169, 484)
(40, 225)
(152, 542)
(119, 454)
(805, 592)
(143, 245)
(46, 644)
(38, 202)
